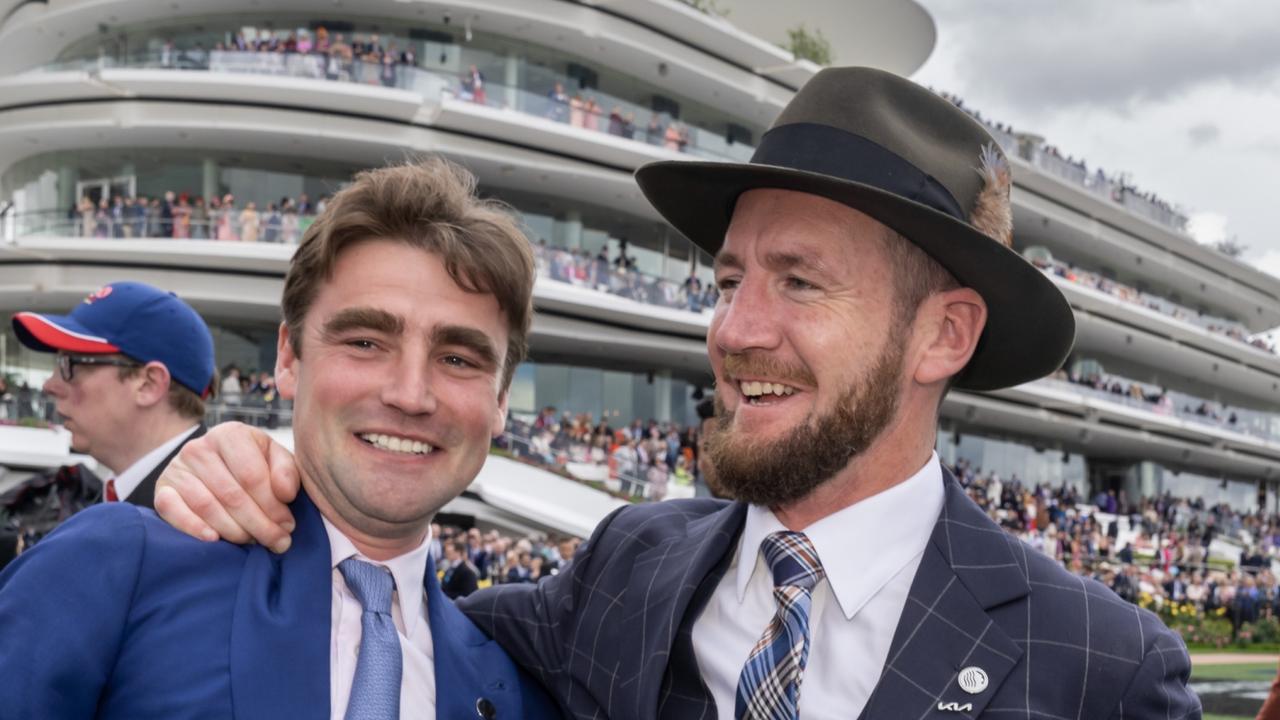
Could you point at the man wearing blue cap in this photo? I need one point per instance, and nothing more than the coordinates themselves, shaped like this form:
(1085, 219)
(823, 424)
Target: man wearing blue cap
(134, 364)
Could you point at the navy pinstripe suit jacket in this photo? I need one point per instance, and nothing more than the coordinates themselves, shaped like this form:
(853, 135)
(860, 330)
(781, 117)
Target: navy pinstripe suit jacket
(611, 635)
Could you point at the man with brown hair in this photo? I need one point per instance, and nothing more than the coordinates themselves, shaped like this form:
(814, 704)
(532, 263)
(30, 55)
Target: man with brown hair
(865, 266)
(406, 309)
(133, 366)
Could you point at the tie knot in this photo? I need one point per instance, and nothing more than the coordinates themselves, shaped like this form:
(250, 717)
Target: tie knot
(792, 559)
(371, 584)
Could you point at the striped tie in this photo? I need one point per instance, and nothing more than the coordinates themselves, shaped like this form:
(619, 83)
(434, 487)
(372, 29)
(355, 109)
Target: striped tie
(769, 687)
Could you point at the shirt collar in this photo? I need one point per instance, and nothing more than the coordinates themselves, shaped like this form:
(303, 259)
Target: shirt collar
(132, 477)
(409, 570)
(863, 546)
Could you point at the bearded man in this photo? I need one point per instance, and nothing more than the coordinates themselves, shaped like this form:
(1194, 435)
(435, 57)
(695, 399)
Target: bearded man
(864, 263)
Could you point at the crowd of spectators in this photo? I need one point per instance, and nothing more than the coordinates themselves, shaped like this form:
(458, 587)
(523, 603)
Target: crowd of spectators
(181, 216)
(582, 110)
(618, 275)
(645, 459)
(1167, 558)
(1129, 294)
(468, 559)
(1116, 187)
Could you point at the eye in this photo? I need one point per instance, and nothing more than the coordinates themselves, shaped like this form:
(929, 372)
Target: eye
(362, 344)
(727, 283)
(797, 283)
(459, 361)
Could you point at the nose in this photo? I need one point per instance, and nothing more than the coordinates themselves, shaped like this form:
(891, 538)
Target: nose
(408, 385)
(55, 386)
(745, 319)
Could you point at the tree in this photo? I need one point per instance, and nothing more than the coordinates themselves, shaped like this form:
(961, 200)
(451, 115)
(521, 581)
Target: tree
(806, 46)
(1231, 247)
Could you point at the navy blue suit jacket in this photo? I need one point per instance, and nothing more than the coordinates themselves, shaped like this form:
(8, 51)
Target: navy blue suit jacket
(611, 635)
(118, 615)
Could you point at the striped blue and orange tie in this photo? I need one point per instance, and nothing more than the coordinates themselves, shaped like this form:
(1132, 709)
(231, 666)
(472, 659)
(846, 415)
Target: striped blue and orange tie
(769, 687)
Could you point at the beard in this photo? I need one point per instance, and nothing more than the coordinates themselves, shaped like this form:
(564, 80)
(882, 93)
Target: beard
(781, 472)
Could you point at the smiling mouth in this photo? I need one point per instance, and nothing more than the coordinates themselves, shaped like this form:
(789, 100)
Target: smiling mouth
(762, 393)
(396, 444)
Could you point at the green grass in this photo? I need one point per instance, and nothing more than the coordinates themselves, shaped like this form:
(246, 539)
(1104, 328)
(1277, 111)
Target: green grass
(1264, 672)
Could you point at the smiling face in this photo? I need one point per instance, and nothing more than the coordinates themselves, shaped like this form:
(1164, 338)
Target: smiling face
(396, 388)
(806, 344)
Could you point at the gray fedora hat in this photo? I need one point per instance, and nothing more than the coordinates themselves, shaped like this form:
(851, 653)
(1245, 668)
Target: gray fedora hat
(897, 152)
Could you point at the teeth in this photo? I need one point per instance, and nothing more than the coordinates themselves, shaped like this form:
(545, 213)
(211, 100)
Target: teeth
(757, 389)
(397, 444)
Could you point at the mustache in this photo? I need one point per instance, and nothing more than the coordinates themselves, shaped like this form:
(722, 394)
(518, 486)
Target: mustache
(758, 364)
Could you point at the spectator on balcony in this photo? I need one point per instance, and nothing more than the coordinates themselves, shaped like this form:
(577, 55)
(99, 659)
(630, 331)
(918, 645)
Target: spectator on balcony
(249, 221)
(102, 219)
(230, 387)
(693, 291)
(615, 121)
(591, 114)
(182, 218)
(166, 215)
(271, 224)
(558, 104)
(577, 111)
(473, 88)
(198, 219)
(226, 220)
(289, 223)
(655, 133)
(117, 217)
(387, 72)
(154, 228)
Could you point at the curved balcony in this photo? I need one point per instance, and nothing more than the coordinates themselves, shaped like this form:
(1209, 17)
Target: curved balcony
(590, 110)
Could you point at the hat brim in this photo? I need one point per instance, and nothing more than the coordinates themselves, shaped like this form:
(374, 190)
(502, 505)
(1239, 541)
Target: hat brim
(52, 333)
(1030, 327)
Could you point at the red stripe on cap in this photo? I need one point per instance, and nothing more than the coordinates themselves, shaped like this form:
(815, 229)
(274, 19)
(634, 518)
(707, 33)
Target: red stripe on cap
(61, 339)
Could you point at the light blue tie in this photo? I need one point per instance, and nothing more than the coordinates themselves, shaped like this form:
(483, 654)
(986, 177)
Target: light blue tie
(375, 691)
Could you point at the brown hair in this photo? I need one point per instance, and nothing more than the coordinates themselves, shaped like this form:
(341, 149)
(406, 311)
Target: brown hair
(916, 275)
(184, 402)
(430, 205)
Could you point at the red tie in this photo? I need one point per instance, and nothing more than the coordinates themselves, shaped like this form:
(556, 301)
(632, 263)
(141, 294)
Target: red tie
(111, 491)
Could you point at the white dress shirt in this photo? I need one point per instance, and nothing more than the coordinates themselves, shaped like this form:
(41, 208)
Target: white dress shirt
(408, 611)
(870, 552)
(132, 477)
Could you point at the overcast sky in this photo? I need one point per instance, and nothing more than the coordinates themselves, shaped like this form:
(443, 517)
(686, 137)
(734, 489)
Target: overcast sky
(1184, 95)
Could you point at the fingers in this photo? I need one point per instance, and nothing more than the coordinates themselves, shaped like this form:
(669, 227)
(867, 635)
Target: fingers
(184, 501)
(232, 466)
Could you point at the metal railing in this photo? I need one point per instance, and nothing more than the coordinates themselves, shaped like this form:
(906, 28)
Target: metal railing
(124, 222)
(587, 109)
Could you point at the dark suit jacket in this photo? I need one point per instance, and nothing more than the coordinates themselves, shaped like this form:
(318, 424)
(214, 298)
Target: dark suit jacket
(118, 615)
(611, 635)
(459, 580)
(145, 494)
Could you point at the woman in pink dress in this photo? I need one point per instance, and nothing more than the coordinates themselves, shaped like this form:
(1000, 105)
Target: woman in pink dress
(182, 218)
(227, 219)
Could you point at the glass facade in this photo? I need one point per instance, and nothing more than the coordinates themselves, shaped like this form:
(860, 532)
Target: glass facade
(618, 397)
(1013, 459)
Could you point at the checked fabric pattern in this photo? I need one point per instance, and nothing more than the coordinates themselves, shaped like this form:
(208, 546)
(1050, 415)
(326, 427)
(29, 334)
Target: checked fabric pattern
(769, 687)
(375, 691)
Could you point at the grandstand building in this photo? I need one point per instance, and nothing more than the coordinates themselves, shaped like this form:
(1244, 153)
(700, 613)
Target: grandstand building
(107, 106)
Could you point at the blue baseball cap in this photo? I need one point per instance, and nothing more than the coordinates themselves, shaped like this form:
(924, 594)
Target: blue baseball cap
(134, 319)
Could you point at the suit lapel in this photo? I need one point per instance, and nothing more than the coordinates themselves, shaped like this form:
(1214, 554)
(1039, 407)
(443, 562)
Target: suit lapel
(145, 494)
(968, 568)
(470, 668)
(280, 634)
(663, 581)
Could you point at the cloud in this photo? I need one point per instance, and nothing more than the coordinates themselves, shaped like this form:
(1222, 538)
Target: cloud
(1204, 134)
(1100, 53)
(1208, 228)
(1269, 262)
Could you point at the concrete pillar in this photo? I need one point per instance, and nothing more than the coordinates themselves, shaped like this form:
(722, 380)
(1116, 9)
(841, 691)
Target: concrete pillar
(209, 178)
(569, 230)
(67, 178)
(511, 80)
(662, 394)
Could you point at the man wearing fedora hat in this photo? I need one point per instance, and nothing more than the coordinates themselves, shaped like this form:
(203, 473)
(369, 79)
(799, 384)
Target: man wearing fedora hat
(865, 268)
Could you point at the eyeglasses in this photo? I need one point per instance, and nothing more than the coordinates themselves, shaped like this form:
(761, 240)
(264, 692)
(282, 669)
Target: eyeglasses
(67, 363)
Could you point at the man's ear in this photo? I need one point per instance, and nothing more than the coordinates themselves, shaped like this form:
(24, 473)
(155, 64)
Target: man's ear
(500, 415)
(286, 364)
(153, 386)
(954, 320)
